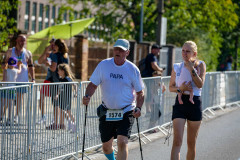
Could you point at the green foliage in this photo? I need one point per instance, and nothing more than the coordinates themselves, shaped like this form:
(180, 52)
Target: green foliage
(203, 21)
(231, 43)
(119, 18)
(7, 23)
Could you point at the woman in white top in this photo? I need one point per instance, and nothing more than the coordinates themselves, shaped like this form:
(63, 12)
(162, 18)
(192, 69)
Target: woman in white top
(190, 112)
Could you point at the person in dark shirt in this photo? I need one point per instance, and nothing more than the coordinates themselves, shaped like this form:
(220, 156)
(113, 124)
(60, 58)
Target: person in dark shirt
(56, 53)
(151, 62)
(50, 57)
(229, 63)
(151, 67)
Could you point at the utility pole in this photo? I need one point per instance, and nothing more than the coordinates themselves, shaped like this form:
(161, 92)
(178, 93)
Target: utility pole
(141, 24)
(236, 53)
(160, 6)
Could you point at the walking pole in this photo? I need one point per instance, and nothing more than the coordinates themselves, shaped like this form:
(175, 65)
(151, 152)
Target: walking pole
(139, 139)
(84, 130)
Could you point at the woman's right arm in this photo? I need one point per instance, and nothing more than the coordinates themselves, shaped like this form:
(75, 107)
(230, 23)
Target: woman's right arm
(52, 67)
(42, 59)
(53, 64)
(172, 84)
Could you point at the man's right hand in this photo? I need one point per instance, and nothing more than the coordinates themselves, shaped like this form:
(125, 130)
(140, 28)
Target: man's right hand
(157, 73)
(86, 100)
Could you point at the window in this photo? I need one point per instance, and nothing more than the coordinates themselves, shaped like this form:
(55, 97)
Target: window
(26, 17)
(75, 15)
(65, 17)
(34, 13)
(47, 17)
(59, 14)
(53, 15)
(40, 19)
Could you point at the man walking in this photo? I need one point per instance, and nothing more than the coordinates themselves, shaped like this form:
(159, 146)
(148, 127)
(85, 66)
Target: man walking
(119, 79)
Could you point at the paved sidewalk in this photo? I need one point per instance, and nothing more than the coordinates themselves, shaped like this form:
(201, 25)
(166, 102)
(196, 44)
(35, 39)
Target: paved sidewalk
(157, 141)
(218, 139)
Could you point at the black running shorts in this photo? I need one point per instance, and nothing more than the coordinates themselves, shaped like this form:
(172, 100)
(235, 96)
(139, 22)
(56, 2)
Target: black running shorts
(109, 129)
(187, 110)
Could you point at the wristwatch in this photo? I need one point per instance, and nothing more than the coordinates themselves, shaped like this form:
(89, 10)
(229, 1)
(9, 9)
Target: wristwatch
(139, 108)
(179, 91)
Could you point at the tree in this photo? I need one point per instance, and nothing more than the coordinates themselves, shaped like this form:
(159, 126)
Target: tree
(231, 43)
(201, 21)
(8, 9)
(120, 18)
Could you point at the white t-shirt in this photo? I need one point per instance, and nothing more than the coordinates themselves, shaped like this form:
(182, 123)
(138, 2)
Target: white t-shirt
(11, 75)
(118, 83)
(183, 74)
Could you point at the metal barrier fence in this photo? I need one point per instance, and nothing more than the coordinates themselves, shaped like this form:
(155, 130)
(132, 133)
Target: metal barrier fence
(232, 87)
(212, 90)
(55, 120)
(15, 131)
(38, 133)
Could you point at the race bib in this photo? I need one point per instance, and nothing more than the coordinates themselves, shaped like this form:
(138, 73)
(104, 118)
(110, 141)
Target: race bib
(114, 115)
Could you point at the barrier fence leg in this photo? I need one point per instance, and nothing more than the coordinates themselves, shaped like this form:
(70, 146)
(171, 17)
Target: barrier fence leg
(29, 109)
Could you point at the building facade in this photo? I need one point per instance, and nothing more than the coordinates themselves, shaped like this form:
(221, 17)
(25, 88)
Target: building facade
(36, 15)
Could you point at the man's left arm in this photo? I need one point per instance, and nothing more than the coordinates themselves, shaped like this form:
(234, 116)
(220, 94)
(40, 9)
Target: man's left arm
(155, 67)
(140, 101)
(31, 66)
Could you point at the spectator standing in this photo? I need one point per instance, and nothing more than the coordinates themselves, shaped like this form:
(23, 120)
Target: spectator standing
(229, 63)
(60, 51)
(187, 112)
(49, 58)
(222, 67)
(64, 97)
(151, 62)
(119, 79)
(25, 56)
(11, 76)
(152, 69)
(58, 56)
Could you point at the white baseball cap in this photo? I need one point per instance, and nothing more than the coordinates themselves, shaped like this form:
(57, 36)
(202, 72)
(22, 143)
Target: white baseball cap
(122, 43)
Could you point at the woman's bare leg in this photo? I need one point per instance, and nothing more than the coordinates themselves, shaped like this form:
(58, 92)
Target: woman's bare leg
(192, 133)
(178, 130)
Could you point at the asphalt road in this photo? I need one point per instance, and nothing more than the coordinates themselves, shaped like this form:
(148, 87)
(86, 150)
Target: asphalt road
(219, 139)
